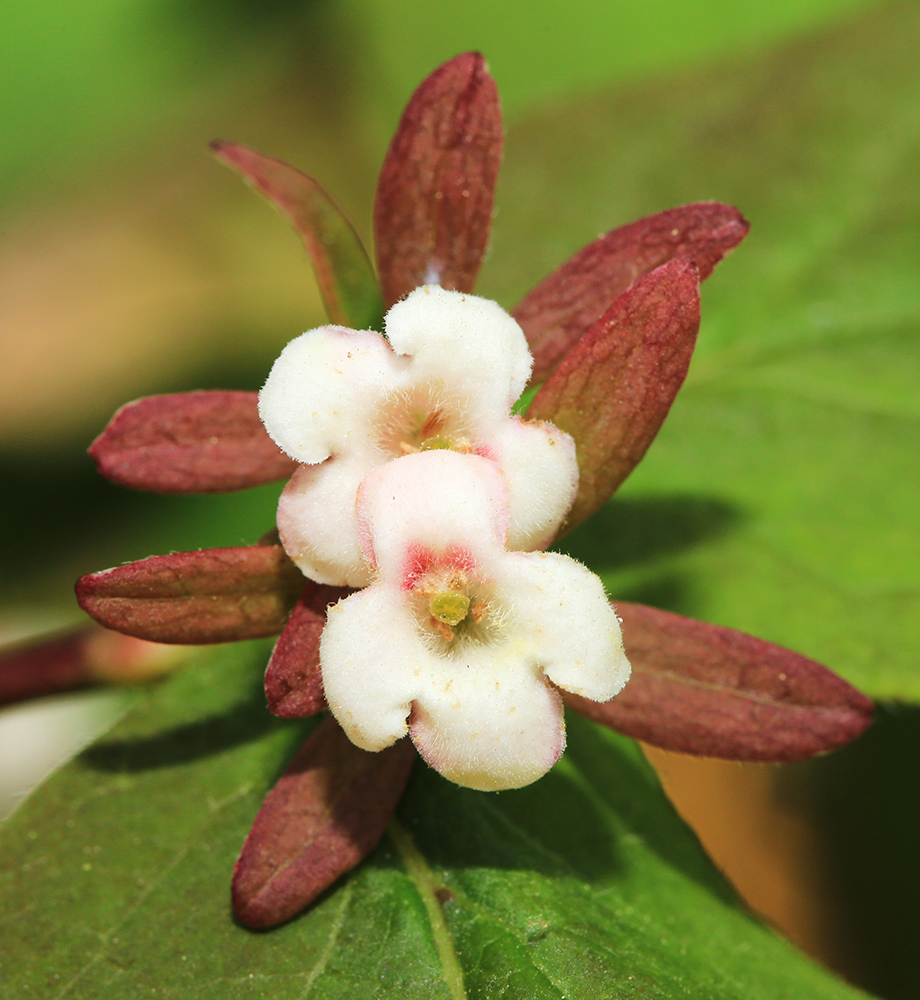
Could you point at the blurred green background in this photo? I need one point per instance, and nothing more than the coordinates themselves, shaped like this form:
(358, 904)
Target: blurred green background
(131, 263)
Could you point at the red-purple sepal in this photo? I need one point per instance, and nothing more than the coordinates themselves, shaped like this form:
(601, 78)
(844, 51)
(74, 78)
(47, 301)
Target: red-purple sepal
(325, 815)
(560, 310)
(293, 681)
(79, 658)
(342, 267)
(712, 691)
(212, 595)
(613, 390)
(191, 442)
(434, 198)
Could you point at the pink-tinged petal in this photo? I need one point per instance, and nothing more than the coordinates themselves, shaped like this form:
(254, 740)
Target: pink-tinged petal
(79, 658)
(489, 728)
(434, 198)
(541, 472)
(316, 521)
(372, 660)
(450, 335)
(615, 387)
(560, 310)
(293, 681)
(213, 595)
(194, 442)
(325, 815)
(563, 622)
(702, 689)
(342, 267)
(429, 501)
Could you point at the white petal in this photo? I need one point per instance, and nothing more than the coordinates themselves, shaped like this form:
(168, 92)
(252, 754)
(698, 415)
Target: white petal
(372, 659)
(469, 343)
(317, 522)
(433, 500)
(574, 633)
(541, 469)
(322, 391)
(487, 721)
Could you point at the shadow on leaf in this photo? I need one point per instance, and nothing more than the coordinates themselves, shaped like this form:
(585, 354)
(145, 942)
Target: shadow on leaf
(634, 530)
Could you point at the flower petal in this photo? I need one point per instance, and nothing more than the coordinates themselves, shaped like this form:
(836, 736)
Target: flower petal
(293, 681)
(466, 342)
(372, 660)
(434, 197)
(433, 500)
(322, 391)
(342, 267)
(559, 311)
(488, 725)
(702, 689)
(213, 595)
(541, 472)
(565, 623)
(316, 521)
(615, 387)
(326, 814)
(191, 442)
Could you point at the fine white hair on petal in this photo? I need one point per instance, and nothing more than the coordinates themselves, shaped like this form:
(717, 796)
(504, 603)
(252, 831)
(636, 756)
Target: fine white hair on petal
(436, 498)
(372, 662)
(468, 341)
(483, 711)
(561, 605)
(319, 396)
(541, 468)
(316, 521)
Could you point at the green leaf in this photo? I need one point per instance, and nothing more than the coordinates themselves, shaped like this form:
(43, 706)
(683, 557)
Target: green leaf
(116, 877)
(799, 419)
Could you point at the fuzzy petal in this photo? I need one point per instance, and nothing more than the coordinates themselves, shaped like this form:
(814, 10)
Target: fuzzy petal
(561, 608)
(372, 661)
(541, 470)
(490, 724)
(321, 393)
(316, 521)
(432, 500)
(468, 343)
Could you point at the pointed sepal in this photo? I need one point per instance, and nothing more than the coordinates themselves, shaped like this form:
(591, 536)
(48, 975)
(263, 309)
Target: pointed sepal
(615, 387)
(212, 595)
(293, 680)
(190, 442)
(434, 198)
(559, 311)
(325, 815)
(716, 692)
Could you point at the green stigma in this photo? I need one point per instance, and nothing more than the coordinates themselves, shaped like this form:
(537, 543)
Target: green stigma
(437, 443)
(449, 607)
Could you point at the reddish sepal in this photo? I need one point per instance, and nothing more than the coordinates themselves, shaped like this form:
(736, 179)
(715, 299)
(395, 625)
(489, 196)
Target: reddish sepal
(212, 595)
(325, 815)
(434, 198)
(560, 310)
(293, 681)
(702, 689)
(615, 387)
(192, 442)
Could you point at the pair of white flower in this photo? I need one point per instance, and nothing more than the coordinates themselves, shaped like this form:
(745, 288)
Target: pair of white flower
(418, 485)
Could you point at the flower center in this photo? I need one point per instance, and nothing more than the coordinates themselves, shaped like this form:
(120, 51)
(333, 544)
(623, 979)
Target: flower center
(452, 606)
(423, 418)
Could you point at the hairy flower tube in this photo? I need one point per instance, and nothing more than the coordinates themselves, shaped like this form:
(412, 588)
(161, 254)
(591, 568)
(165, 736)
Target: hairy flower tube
(458, 640)
(343, 401)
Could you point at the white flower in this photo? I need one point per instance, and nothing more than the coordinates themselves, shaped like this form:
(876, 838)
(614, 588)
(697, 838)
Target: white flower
(457, 639)
(344, 401)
